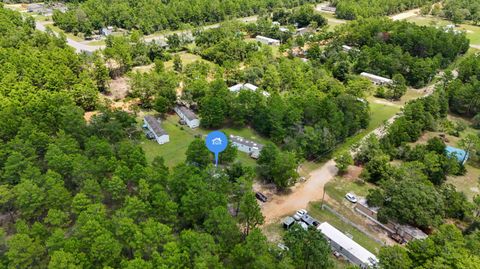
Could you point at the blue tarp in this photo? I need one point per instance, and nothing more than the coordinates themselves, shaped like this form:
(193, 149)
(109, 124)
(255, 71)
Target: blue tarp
(460, 154)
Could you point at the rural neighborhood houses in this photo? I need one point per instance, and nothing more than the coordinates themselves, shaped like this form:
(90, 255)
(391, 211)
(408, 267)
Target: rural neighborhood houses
(377, 80)
(153, 125)
(251, 148)
(267, 40)
(188, 116)
(346, 247)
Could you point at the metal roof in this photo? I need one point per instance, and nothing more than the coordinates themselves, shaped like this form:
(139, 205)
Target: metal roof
(155, 126)
(375, 77)
(242, 141)
(187, 112)
(460, 154)
(347, 244)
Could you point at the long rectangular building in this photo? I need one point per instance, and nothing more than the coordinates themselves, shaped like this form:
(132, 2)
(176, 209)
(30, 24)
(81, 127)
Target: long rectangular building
(348, 248)
(377, 80)
(251, 148)
(153, 126)
(188, 116)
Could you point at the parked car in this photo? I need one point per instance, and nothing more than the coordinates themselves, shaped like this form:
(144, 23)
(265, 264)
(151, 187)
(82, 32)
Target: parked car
(350, 197)
(299, 214)
(260, 196)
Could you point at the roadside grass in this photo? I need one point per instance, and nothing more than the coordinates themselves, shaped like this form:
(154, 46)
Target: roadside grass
(180, 138)
(473, 32)
(323, 215)
(69, 35)
(96, 43)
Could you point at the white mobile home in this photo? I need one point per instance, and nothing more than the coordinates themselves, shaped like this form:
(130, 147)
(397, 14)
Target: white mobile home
(154, 126)
(377, 80)
(188, 116)
(267, 40)
(251, 148)
(346, 247)
(246, 86)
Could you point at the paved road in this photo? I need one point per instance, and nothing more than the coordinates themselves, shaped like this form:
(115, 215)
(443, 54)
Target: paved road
(78, 46)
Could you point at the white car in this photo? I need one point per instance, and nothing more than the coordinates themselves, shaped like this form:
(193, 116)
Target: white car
(350, 197)
(299, 214)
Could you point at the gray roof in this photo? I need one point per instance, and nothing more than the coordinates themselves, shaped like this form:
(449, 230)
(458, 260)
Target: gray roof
(155, 125)
(243, 141)
(187, 113)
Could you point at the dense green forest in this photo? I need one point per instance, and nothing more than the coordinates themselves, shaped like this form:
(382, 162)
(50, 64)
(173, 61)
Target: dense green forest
(387, 48)
(150, 16)
(461, 10)
(355, 9)
(82, 195)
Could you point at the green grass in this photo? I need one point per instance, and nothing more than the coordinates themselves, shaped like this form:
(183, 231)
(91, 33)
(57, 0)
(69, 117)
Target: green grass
(469, 183)
(379, 114)
(187, 58)
(358, 236)
(473, 32)
(96, 43)
(69, 35)
(180, 138)
(337, 188)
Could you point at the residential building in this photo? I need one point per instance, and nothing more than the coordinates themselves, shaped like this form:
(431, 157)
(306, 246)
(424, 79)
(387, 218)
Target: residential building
(460, 154)
(404, 232)
(251, 148)
(267, 40)
(328, 9)
(105, 31)
(246, 86)
(188, 116)
(377, 80)
(346, 48)
(288, 222)
(346, 247)
(153, 126)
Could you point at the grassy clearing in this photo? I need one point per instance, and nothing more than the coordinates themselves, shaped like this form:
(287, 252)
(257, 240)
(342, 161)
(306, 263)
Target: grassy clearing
(69, 35)
(379, 114)
(187, 58)
(473, 32)
(97, 43)
(337, 188)
(358, 236)
(469, 183)
(180, 138)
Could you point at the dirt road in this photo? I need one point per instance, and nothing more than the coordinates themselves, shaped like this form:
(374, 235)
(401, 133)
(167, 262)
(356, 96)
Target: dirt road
(405, 15)
(312, 190)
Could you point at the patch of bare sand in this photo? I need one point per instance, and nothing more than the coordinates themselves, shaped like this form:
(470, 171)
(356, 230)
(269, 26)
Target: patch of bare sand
(119, 88)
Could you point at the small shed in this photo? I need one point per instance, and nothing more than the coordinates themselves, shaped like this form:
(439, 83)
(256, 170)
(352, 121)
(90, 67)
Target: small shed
(288, 222)
(460, 154)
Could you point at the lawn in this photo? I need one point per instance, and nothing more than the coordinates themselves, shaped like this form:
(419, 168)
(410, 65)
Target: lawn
(337, 188)
(469, 183)
(180, 138)
(187, 58)
(473, 32)
(69, 35)
(358, 236)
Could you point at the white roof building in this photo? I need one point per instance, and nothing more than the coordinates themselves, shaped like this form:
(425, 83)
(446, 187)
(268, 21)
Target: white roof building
(267, 40)
(188, 116)
(246, 86)
(377, 80)
(348, 248)
(158, 132)
(251, 148)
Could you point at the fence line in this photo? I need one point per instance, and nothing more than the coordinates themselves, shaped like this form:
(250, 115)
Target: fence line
(358, 227)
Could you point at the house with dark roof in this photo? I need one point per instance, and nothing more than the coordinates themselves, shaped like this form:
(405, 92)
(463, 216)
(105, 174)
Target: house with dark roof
(153, 126)
(188, 116)
(251, 148)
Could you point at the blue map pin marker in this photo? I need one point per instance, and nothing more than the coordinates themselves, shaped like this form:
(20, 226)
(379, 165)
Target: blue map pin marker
(216, 142)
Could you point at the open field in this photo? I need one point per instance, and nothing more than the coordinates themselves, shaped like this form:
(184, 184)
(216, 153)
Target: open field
(180, 138)
(473, 32)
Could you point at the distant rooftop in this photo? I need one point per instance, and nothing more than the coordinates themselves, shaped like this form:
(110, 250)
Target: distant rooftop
(375, 77)
(155, 125)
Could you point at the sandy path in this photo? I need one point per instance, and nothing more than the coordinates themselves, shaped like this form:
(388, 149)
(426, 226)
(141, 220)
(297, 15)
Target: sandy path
(405, 15)
(312, 190)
